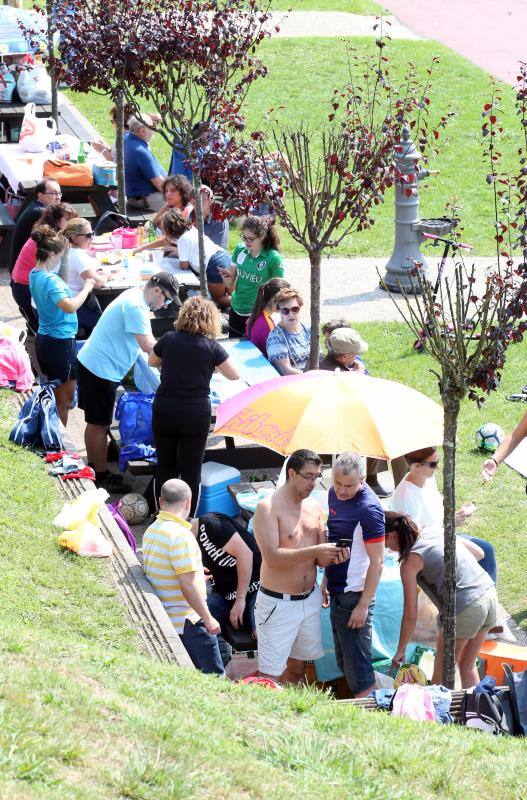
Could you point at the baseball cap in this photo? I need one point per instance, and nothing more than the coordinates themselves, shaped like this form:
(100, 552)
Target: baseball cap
(165, 281)
(347, 340)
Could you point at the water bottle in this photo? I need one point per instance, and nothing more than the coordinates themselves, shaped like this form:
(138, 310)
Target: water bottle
(151, 233)
(126, 263)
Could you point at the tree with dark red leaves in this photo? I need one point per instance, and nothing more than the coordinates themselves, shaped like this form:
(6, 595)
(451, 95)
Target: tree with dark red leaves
(98, 46)
(324, 184)
(470, 324)
(194, 62)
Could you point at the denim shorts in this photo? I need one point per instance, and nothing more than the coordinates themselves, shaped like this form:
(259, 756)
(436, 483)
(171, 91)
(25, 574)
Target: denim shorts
(57, 358)
(352, 645)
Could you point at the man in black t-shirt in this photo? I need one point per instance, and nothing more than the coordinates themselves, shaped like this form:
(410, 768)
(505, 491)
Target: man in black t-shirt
(47, 192)
(232, 557)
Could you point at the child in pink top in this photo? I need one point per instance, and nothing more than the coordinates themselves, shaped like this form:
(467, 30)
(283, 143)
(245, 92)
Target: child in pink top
(260, 323)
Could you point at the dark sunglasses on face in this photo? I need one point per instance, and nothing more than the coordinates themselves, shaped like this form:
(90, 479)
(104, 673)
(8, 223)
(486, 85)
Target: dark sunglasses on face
(89, 235)
(431, 464)
(292, 310)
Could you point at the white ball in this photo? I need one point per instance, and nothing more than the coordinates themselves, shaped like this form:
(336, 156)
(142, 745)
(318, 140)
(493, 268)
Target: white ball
(134, 508)
(488, 437)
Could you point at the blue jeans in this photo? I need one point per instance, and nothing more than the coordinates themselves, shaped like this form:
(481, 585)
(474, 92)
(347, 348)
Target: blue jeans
(220, 608)
(352, 645)
(488, 562)
(202, 647)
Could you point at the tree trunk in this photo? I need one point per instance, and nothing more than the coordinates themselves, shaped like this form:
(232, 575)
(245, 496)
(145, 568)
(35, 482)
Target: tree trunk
(451, 402)
(119, 150)
(51, 69)
(196, 182)
(314, 260)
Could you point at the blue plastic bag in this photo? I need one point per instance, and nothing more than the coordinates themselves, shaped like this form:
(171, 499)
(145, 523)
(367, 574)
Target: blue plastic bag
(134, 414)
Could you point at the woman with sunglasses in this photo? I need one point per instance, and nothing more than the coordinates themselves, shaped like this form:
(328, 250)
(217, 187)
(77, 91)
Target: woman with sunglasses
(81, 266)
(289, 342)
(254, 262)
(57, 321)
(422, 560)
(418, 496)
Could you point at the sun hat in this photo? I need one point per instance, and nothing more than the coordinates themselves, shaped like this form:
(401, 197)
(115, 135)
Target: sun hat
(347, 340)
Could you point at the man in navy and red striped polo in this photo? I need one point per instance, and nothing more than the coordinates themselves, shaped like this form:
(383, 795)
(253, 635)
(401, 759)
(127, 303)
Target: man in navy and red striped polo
(356, 514)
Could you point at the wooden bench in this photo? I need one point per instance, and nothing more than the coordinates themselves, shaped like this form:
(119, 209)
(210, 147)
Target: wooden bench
(369, 704)
(144, 607)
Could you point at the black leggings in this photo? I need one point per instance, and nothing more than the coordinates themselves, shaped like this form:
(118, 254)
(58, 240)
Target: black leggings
(180, 436)
(237, 324)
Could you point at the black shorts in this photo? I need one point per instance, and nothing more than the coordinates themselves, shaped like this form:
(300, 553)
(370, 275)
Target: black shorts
(96, 397)
(57, 358)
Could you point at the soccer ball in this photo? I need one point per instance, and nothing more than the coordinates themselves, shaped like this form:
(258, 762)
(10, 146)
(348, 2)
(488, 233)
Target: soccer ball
(134, 508)
(488, 437)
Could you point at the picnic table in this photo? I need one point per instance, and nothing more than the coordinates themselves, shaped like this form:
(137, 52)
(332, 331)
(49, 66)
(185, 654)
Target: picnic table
(23, 171)
(254, 368)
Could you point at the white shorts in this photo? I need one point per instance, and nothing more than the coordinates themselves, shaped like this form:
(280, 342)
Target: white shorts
(287, 629)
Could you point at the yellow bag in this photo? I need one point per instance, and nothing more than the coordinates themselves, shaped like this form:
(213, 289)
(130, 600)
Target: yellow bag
(67, 173)
(410, 673)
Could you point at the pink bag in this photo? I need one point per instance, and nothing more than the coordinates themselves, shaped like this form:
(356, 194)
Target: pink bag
(124, 238)
(15, 366)
(413, 702)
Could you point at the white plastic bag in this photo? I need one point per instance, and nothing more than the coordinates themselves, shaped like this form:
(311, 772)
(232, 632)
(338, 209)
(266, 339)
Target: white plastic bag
(34, 86)
(7, 84)
(36, 132)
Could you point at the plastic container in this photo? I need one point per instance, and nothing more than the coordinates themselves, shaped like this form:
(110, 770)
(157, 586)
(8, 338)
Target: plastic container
(104, 173)
(128, 237)
(496, 653)
(214, 496)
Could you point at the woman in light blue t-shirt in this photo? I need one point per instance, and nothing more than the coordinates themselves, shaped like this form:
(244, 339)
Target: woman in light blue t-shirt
(289, 343)
(57, 320)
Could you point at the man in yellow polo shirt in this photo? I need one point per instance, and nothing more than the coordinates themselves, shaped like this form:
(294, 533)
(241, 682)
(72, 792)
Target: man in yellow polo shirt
(172, 562)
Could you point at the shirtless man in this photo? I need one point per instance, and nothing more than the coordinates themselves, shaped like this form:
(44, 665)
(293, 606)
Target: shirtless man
(290, 532)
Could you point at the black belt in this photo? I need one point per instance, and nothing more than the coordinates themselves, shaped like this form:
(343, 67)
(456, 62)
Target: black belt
(281, 596)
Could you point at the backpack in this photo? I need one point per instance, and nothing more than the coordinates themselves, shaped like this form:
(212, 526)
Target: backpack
(515, 701)
(485, 712)
(134, 414)
(411, 700)
(38, 423)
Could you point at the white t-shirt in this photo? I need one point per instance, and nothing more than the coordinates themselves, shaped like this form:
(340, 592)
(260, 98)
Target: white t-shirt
(424, 506)
(188, 248)
(78, 262)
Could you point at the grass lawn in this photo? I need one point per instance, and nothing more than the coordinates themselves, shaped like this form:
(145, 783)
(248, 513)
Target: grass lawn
(85, 716)
(350, 6)
(320, 65)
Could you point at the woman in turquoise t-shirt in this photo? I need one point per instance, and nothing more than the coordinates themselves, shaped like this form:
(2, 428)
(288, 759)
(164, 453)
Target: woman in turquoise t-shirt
(254, 261)
(57, 321)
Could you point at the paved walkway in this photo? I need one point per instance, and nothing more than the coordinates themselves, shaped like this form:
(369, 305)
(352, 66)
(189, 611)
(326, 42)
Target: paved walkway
(490, 33)
(333, 23)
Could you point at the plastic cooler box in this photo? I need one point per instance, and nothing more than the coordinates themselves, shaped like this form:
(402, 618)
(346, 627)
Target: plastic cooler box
(214, 495)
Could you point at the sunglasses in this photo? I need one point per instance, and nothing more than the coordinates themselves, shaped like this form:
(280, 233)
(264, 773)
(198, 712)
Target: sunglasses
(287, 311)
(431, 464)
(89, 235)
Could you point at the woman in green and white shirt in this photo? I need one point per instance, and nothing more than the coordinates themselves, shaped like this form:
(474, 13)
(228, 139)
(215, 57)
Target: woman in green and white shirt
(254, 261)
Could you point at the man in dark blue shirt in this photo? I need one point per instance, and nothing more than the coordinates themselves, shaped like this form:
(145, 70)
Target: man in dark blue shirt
(144, 175)
(356, 514)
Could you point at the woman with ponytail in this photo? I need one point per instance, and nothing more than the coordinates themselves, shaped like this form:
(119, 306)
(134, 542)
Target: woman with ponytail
(57, 319)
(422, 560)
(254, 261)
(261, 323)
